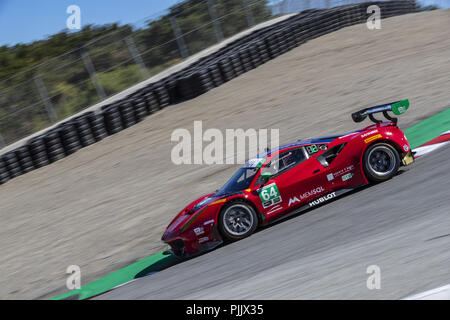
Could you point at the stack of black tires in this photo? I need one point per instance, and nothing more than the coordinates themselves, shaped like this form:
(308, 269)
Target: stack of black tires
(236, 58)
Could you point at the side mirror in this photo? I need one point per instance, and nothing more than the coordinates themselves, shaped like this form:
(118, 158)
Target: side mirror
(265, 176)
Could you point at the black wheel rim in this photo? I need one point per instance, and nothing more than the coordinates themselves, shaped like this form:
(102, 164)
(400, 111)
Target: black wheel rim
(381, 160)
(238, 219)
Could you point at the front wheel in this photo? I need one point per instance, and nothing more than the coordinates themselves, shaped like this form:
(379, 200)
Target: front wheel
(381, 162)
(237, 220)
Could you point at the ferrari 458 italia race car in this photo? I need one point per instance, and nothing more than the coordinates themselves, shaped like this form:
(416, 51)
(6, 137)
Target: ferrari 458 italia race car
(291, 179)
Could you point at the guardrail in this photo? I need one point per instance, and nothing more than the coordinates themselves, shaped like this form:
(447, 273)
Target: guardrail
(204, 74)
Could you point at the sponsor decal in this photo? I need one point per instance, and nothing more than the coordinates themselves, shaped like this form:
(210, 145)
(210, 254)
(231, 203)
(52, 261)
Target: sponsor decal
(274, 209)
(209, 222)
(401, 109)
(322, 199)
(198, 231)
(405, 147)
(204, 239)
(270, 195)
(347, 176)
(312, 192)
(375, 137)
(293, 200)
(306, 195)
(339, 173)
(369, 133)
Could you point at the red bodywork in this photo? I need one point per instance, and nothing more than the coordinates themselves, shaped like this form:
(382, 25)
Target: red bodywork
(305, 185)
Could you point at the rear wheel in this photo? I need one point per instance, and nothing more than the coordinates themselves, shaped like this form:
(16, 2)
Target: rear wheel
(381, 162)
(237, 220)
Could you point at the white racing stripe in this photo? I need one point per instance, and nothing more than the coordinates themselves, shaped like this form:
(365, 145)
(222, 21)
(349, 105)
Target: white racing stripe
(441, 293)
(420, 151)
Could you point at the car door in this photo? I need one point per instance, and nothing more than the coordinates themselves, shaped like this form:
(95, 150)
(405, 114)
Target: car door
(275, 192)
(296, 179)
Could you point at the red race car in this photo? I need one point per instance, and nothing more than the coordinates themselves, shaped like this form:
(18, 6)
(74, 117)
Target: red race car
(291, 179)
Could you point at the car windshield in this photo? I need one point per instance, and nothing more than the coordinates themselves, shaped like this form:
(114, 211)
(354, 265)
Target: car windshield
(239, 181)
(243, 177)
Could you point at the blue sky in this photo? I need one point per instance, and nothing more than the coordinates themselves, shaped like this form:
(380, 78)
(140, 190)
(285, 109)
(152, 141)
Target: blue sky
(23, 21)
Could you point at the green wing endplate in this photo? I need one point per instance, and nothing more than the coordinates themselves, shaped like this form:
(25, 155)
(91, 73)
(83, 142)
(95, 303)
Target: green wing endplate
(397, 107)
(400, 107)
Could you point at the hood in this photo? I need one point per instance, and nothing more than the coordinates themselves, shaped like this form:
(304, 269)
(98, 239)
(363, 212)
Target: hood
(185, 214)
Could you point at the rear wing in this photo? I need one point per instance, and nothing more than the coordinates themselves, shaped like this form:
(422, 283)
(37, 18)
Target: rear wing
(397, 107)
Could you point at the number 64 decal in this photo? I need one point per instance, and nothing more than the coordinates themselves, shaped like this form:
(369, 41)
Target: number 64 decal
(270, 195)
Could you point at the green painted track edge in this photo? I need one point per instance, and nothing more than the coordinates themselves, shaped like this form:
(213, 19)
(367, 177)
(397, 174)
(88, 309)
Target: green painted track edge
(146, 266)
(428, 129)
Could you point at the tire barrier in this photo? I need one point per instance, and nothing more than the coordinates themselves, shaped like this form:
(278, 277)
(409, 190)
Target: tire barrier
(127, 114)
(11, 164)
(69, 138)
(112, 117)
(215, 75)
(232, 60)
(54, 145)
(151, 102)
(25, 160)
(83, 130)
(140, 109)
(38, 152)
(4, 175)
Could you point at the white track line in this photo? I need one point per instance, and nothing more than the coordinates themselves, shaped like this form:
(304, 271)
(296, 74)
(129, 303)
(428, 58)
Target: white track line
(441, 293)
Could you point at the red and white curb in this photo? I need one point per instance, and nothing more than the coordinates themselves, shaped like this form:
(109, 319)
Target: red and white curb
(432, 145)
(441, 293)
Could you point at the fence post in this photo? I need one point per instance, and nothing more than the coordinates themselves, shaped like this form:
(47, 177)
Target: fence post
(179, 36)
(248, 12)
(45, 99)
(216, 24)
(283, 7)
(2, 141)
(91, 70)
(136, 57)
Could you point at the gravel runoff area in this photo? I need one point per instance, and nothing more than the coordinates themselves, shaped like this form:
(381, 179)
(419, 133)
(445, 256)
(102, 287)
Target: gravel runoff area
(107, 205)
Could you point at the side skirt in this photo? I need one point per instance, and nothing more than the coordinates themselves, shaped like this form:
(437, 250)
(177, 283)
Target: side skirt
(315, 203)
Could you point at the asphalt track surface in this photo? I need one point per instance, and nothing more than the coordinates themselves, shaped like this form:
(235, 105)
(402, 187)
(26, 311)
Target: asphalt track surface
(402, 226)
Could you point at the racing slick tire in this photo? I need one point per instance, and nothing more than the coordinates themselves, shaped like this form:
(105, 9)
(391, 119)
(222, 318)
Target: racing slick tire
(237, 220)
(381, 162)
